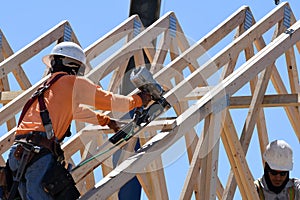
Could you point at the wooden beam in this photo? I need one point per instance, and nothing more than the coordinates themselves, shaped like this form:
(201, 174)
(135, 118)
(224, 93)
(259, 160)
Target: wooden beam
(140, 41)
(126, 28)
(7, 96)
(6, 141)
(18, 72)
(237, 102)
(32, 49)
(193, 172)
(278, 100)
(237, 160)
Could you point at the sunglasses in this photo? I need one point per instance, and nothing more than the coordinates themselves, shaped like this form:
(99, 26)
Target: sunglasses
(274, 173)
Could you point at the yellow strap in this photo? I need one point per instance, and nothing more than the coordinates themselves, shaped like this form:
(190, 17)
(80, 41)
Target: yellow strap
(292, 193)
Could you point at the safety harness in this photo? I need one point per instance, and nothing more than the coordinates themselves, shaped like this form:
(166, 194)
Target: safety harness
(27, 152)
(260, 191)
(57, 181)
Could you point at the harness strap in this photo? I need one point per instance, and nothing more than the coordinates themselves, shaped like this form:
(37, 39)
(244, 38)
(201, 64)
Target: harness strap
(259, 189)
(36, 94)
(45, 117)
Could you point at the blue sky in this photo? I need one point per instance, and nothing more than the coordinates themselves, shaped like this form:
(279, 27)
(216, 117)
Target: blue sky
(24, 21)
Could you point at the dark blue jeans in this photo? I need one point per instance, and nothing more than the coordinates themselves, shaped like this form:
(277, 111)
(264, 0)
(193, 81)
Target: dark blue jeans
(32, 189)
(1, 193)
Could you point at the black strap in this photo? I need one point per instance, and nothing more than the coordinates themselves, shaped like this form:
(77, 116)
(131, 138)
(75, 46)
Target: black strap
(45, 117)
(40, 91)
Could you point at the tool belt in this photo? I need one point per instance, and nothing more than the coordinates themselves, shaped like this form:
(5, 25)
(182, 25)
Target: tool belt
(57, 181)
(40, 139)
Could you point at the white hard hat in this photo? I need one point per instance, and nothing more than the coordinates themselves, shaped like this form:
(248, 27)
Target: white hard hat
(279, 155)
(67, 49)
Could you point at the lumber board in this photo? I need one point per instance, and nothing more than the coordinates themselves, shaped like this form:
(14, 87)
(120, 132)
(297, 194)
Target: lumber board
(32, 49)
(237, 158)
(210, 100)
(238, 102)
(193, 172)
(109, 39)
(209, 155)
(292, 70)
(7, 96)
(18, 72)
(7, 140)
(140, 41)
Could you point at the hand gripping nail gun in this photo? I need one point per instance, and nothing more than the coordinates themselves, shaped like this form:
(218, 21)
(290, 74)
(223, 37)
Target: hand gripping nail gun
(144, 81)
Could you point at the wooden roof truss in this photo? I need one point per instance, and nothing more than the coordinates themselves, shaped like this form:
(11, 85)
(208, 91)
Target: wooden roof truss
(202, 92)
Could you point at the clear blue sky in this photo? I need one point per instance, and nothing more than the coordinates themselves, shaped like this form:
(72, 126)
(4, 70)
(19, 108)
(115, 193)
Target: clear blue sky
(24, 21)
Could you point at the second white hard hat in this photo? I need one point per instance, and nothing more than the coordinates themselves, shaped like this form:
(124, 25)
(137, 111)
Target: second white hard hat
(279, 155)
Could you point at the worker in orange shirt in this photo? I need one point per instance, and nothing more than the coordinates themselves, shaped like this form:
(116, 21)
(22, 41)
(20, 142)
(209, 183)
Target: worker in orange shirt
(45, 121)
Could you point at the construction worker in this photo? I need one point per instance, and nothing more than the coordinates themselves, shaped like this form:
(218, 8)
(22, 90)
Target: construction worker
(276, 182)
(69, 97)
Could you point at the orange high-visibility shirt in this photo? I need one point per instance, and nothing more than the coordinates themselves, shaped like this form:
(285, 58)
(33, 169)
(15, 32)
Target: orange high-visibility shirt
(72, 97)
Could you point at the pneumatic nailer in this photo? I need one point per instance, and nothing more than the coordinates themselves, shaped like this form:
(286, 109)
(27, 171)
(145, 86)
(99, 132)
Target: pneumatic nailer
(144, 81)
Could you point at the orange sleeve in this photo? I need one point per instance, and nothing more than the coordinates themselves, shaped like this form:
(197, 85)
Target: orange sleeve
(86, 92)
(86, 114)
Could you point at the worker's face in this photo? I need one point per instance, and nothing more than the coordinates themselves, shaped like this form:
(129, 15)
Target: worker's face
(277, 177)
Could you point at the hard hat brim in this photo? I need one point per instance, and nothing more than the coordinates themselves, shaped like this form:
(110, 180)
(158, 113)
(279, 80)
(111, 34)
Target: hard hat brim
(280, 168)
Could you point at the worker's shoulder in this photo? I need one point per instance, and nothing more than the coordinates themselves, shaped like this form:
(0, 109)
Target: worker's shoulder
(72, 79)
(64, 76)
(60, 76)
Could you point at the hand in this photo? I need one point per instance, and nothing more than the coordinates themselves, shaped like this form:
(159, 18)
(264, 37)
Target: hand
(113, 125)
(146, 98)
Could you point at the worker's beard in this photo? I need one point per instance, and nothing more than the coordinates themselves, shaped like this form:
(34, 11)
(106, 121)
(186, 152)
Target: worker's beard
(274, 189)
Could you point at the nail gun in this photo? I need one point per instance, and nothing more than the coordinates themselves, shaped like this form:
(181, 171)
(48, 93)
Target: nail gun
(144, 81)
